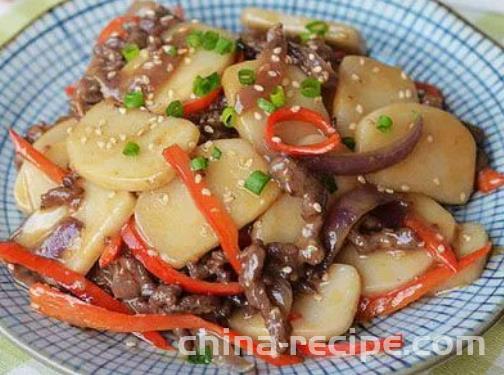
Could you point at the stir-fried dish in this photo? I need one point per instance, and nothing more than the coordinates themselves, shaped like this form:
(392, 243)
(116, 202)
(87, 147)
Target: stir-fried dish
(274, 183)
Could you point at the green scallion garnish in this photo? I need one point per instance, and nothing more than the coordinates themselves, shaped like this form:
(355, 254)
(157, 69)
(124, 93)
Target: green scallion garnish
(134, 99)
(311, 88)
(319, 28)
(171, 50)
(209, 40)
(201, 358)
(384, 124)
(199, 163)
(246, 76)
(256, 182)
(194, 39)
(277, 97)
(266, 105)
(228, 117)
(175, 109)
(349, 142)
(204, 85)
(216, 153)
(225, 46)
(131, 149)
(130, 51)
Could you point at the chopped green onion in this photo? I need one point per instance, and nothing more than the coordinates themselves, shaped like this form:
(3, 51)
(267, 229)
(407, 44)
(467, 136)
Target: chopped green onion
(256, 182)
(175, 109)
(130, 51)
(305, 36)
(266, 105)
(204, 85)
(199, 163)
(209, 40)
(228, 117)
(277, 97)
(201, 358)
(134, 99)
(194, 39)
(329, 183)
(246, 76)
(225, 46)
(311, 88)
(131, 149)
(216, 153)
(319, 28)
(349, 142)
(384, 124)
(171, 50)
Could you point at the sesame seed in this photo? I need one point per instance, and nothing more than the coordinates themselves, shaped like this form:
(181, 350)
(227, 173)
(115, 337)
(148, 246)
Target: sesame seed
(355, 77)
(441, 248)
(317, 207)
(187, 60)
(122, 137)
(113, 140)
(317, 69)
(352, 126)
(83, 140)
(208, 129)
(112, 194)
(152, 253)
(198, 178)
(241, 183)
(258, 88)
(311, 56)
(404, 76)
(111, 74)
(98, 131)
(191, 144)
(100, 144)
(389, 191)
(359, 109)
(151, 146)
(380, 188)
(401, 94)
(361, 179)
(169, 67)
(462, 197)
(277, 50)
(69, 130)
(287, 269)
(276, 139)
(466, 237)
(140, 132)
(295, 84)
(430, 138)
(206, 192)
(295, 108)
(165, 198)
(148, 65)
(317, 297)
(170, 93)
(257, 116)
(272, 73)
(108, 146)
(376, 69)
(405, 188)
(122, 110)
(362, 61)
(436, 181)
(275, 58)
(408, 93)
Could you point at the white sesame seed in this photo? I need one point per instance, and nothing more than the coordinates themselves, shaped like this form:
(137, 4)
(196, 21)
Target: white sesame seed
(258, 88)
(287, 269)
(359, 109)
(69, 130)
(206, 192)
(466, 237)
(241, 183)
(122, 110)
(405, 188)
(276, 139)
(436, 181)
(275, 58)
(295, 84)
(113, 140)
(169, 67)
(355, 77)
(462, 197)
(361, 179)
(380, 188)
(100, 144)
(191, 144)
(208, 129)
(140, 132)
(122, 137)
(165, 198)
(257, 116)
(187, 60)
(83, 140)
(408, 93)
(430, 138)
(311, 56)
(404, 76)
(151, 146)
(112, 194)
(362, 61)
(401, 94)
(111, 74)
(198, 178)
(389, 191)
(376, 69)
(148, 65)
(441, 248)
(98, 131)
(352, 126)
(272, 73)
(317, 207)
(277, 50)
(152, 253)
(317, 69)
(295, 108)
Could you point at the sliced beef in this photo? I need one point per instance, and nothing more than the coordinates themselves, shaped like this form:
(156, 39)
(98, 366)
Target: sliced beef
(71, 194)
(213, 266)
(66, 235)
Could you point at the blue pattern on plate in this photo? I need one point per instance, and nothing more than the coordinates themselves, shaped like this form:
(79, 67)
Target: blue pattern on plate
(424, 38)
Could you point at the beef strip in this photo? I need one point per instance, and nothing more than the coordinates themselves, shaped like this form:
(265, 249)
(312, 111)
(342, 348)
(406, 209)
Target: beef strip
(257, 287)
(36, 131)
(66, 235)
(213, 266)
(210, 124)
(385, 239)
(70, 193)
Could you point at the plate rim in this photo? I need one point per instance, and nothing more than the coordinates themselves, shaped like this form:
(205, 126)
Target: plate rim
(428, 363)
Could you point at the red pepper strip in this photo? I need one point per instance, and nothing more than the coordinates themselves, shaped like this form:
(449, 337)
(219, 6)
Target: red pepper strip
(305, 115)
(209, 205)
(387, 303)
(293, 315)
(489, 180)
(353, 348)
(115, 26)
(55, 304)
(75, 283)
(435, 244)
(168, 274)
(34, 156)
(429, 89)
(196, 105)
(70, 90)
(111, 251)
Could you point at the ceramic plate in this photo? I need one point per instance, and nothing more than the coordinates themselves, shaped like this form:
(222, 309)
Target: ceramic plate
(426, 39)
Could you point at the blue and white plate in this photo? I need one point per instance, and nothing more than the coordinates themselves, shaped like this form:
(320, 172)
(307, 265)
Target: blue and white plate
(429, 41)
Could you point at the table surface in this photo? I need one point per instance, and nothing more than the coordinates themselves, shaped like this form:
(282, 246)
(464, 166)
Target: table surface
(488, 15)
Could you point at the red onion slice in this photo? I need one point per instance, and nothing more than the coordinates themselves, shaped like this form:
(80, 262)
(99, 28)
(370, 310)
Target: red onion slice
(345, 213)
(371, 161)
